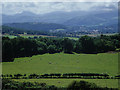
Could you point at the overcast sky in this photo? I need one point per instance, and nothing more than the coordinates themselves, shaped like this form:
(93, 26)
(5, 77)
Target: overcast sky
(46, 7)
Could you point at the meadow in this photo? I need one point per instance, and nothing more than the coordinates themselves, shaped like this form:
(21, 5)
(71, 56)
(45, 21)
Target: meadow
(26, 36)
(65, 63)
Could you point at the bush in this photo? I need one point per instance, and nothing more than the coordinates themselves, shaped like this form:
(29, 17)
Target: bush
(10, 85)
(82, 85)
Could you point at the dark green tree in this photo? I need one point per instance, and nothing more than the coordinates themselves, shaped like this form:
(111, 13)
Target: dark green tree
(67, 45)
(52, 49)
(41, 47)
(87, 44)
(7, 51)
(77, 47)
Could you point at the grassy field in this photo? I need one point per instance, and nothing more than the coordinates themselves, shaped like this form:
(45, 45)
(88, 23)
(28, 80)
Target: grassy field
(10, 36)
(26, 36)
(64, 63)
(74, 38)
(65, 82)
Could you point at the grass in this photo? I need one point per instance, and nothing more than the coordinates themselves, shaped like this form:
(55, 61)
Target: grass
(73, 38)
(111, 83)
(64, 63)
(26, 36)
(10, 36)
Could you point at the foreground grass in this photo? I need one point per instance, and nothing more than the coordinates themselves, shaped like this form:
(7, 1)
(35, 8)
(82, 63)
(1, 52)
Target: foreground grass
(110, 83)
(64, 63)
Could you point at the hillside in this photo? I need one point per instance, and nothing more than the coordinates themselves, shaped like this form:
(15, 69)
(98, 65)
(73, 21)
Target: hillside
(68, 21)
(74, 18)
(101, 19)
(36, 26)
(53, 17)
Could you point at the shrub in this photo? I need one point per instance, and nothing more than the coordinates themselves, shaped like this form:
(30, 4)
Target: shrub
(82, 85)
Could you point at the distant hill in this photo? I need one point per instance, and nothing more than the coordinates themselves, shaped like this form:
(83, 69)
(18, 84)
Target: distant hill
(53, 17)
(101, 19)
(74, 18)
(36, 26)
(19, 18)
(69, 21)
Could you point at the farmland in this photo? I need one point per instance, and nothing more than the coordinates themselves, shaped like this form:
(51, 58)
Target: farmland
(65, 63)
(26, 36)
(60, 61)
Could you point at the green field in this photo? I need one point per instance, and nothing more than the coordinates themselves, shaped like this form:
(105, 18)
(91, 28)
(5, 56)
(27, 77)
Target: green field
(64, 63)
(10, 36)
(111, 83)
(74, 38)
(26, 36)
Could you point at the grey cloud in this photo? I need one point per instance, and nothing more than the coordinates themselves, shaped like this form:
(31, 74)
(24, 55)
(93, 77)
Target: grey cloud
(105, 6)
(46, 7)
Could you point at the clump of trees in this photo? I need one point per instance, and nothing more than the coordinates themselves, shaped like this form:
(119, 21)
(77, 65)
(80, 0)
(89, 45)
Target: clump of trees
(82, 85)
(26, 47)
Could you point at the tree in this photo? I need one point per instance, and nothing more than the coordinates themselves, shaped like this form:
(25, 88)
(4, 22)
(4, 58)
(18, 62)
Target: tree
(87, 44)
(103, 45)
(7, 51)
(68, 45)
(52, 49)
(41, 47)
(82, 85)
(77, 47)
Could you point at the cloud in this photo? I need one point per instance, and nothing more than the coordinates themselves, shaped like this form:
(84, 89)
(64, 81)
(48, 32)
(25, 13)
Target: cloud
(46, 7)
(105, 6)
(59, 0)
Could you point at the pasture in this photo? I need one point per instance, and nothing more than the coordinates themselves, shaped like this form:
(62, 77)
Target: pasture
(64, 63)
(27, 36)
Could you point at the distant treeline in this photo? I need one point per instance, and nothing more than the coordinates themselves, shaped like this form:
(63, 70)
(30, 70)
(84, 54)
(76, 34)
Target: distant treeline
(16, 31)
(25, 47)
(61, 32)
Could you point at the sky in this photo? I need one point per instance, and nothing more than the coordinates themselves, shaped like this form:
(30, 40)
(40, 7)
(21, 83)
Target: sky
(59, 0)
(10, 8)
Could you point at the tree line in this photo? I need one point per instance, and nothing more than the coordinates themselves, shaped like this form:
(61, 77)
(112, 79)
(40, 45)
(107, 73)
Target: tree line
(16, 31)
(26, 47)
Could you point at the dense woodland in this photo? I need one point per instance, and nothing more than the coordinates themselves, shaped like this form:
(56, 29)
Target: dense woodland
(26, 47)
